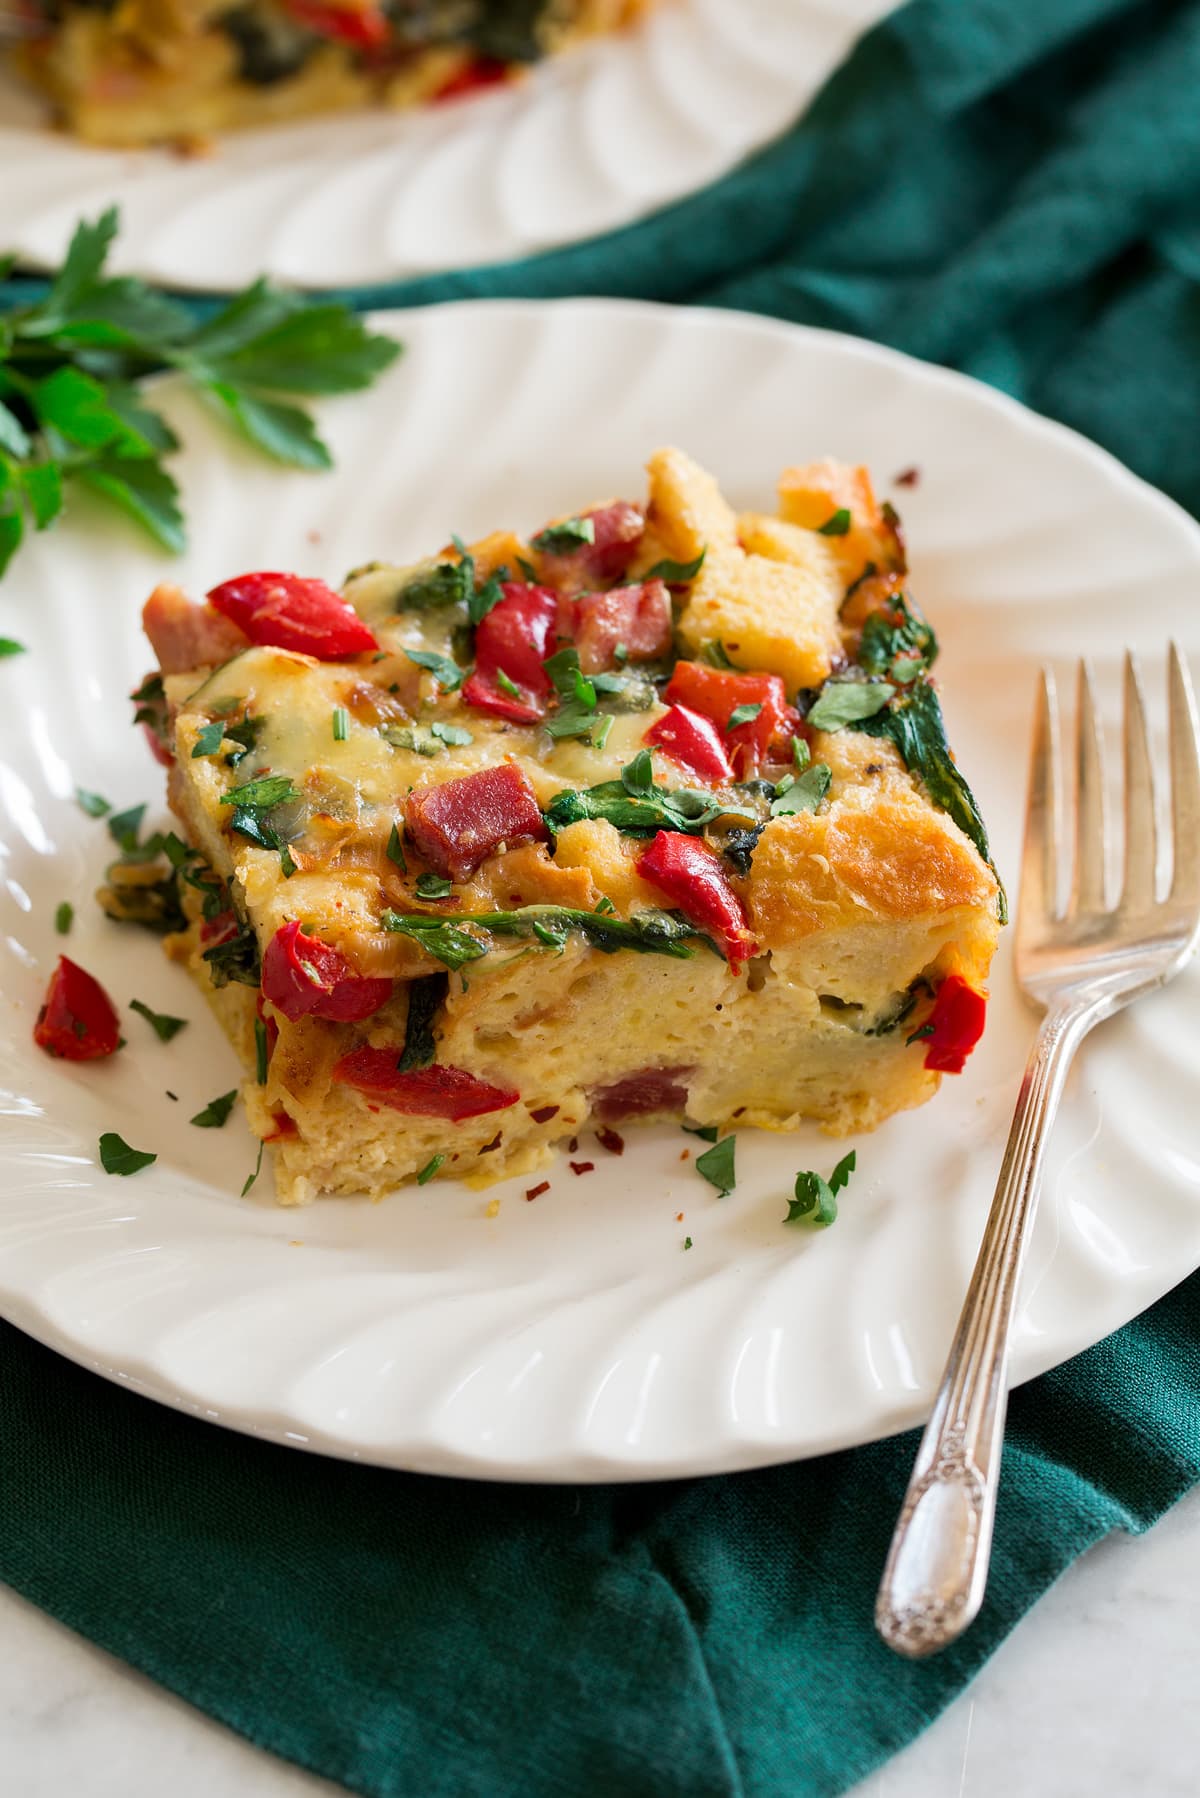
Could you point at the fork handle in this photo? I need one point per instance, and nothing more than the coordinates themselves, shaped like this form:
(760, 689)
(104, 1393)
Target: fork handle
(936, 1570)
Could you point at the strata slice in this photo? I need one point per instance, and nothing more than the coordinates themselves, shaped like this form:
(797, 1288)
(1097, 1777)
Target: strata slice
(650, 813)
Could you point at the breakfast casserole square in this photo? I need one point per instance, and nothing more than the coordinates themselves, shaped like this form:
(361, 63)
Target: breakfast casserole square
(649, 814)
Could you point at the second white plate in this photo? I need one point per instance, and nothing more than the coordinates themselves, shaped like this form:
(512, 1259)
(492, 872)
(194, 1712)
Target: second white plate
(593, 140)
(577, 1337)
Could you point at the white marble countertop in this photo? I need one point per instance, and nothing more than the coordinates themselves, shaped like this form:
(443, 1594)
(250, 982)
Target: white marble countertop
(1091, 1697)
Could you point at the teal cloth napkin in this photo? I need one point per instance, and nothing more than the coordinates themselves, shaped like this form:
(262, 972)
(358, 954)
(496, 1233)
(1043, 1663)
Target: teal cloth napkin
(1010, 186)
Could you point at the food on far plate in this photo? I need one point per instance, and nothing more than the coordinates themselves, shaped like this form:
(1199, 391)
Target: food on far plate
(131, 72)
(649, 814)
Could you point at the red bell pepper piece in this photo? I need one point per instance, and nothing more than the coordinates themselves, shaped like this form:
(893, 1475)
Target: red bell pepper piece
(958, 1016)
(77, 1020)
(457, 825)
(637, 618)
(302, 976)
(480, 72)
(692, 739)
(433, 1092)
(616, 536)
(514, 639)
(365, 27)
(290, 611)
(691, 876)
(717, 691)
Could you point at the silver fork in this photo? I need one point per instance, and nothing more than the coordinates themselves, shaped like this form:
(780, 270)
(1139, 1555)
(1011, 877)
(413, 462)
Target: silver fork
(1081, 963)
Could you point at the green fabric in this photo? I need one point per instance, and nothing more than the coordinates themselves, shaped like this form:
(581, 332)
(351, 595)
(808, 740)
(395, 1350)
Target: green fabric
(1011, 186)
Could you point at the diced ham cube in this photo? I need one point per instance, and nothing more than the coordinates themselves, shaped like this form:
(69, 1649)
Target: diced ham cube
(456, 826)
(187, 635)
(641, 1094)
(617, 533)
(638, 618)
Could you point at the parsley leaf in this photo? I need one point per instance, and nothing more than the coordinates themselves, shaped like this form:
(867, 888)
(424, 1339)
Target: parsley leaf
(507, 685)
(209, 739)
(434, 886)
(395, 850)
(71, 365)
(445, 584)
(216, 1112)
(116, 1156)
(445, 941)
(803, 794)
(163, 1025)
(261, 1051)
(641, 813)
(10, 647)
(64, 917)
(448, 674)
(716, 1165)
(125, 827)
(844, 702)
(451, 734)
(713, 651)
(561, 539)
(816, 1199)
(257, 1170)
(263, 794)
(676, 574)
(92, 803)
(897, 642)
(742, 714)
(837, 525)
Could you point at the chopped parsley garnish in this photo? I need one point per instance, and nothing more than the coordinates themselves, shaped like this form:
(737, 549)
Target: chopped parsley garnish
(260, 1051)
(506, 685)
(450, 734)
(261, 795)
(341, 724)
(116, 1156)
(801, 754)
(484, 597)
(125, 827)
(604, 907)
(919, 1034)
(10, 647)
(676, 574)
(816, 1199)
(257, 1170)
(430, 1169)
(843, 702)
(714, 652)
(528, 571)
(897, 642)
(209, 739)
(163, 1025)
(562, 539)
(601, 737)
(687, 1242)
(576, 716)
(837, 525)
(286, 861)
(447, 673)
(216, 1112)
(716, 1165)
(637, 776)
(802, 794)
(92, 803)
(64, 917)
(742, 714)
(706, 1132)
(395, 850)
(425, 997)
(445, 584)
(434, 886)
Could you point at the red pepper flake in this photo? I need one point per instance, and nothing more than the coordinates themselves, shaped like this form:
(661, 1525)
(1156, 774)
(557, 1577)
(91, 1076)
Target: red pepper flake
(739, 1111)
(535, 1192)
(679, 1217)
(908, 477)
(685, 1154)
(544, 1113)
(610, 1140)
(494, 1144)
(572, 1145)
(581, 1167)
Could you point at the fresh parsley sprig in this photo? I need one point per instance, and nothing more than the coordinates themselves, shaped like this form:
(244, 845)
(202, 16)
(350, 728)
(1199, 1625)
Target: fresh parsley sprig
(71, 405)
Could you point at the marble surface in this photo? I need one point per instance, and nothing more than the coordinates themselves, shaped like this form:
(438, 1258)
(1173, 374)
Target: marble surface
(1092, 1697)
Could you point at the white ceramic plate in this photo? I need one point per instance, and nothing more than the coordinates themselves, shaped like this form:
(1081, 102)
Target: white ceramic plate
(575, 1338)
(590, 142)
